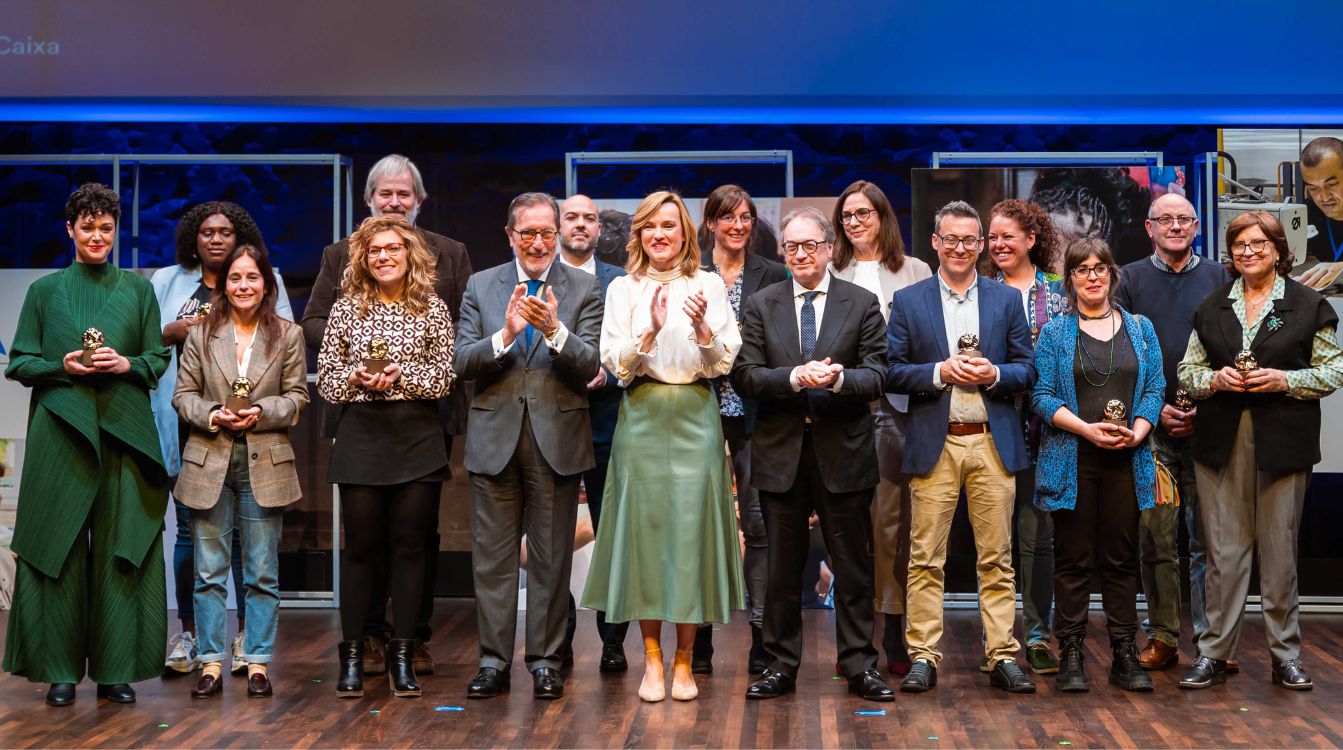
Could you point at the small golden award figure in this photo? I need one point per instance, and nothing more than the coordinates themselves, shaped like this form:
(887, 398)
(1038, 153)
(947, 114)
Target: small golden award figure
(377, 356)
(1183, 401)
(1116, 413)
(93, 340)
(242, 388)
(968, 344)
(203, 310)
(1246, 362)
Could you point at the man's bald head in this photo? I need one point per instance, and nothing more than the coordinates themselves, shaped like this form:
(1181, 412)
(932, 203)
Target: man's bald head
(579, 228)
(1172, 223)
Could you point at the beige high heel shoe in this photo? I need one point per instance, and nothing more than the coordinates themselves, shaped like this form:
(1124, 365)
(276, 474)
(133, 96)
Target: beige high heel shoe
(683, 680)
(654, 687)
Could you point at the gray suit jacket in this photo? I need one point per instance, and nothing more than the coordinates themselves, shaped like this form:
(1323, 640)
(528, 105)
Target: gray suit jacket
(551, 387)
(209, 365)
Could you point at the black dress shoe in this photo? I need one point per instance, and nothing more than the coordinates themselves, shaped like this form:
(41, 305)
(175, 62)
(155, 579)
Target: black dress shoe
(118, 693)
(1204, 672)
(1008, 676)
(1291, 675)
(870, 686)
(258, 686)
(701, 661)
(488, 683)
(547, 684)
(922, 677)
(207, 686)
(613, 658)
(61, 694)
(771, 684)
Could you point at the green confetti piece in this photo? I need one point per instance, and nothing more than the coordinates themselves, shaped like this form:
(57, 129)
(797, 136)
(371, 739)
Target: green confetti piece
(836, 677)
(1064, 742)
(932, 738)
(375, 711)
(316, 680)
(163, 726)
(1244, 709)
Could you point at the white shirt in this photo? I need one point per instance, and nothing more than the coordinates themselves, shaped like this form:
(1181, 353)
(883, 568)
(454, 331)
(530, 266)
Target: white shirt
(555, 341)
(818, 304)
(676, 357)
(589, 265)
(867, 274)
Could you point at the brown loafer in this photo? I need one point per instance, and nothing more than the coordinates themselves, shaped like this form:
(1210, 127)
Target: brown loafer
(258, 686)
(206, 687)
(1158, 655)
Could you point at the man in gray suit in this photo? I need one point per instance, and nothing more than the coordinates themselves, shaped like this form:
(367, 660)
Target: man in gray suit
(528, 338)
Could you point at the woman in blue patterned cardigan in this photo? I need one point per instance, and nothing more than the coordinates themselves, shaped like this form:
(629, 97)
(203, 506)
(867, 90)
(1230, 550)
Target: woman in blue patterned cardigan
(1100, 379)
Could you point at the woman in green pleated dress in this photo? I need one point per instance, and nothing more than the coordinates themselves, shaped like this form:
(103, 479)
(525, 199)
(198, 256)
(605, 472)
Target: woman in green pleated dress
(89, 591)
(667, 549)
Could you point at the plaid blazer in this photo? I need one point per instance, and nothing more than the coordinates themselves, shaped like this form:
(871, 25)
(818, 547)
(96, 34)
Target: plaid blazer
(208, 367)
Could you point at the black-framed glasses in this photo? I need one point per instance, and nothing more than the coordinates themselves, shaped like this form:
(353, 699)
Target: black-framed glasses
(809, 247)
(1253, 247)
(863, 215)
(1100, 271)
(530, 236)
(950, 241)
(1165, 220)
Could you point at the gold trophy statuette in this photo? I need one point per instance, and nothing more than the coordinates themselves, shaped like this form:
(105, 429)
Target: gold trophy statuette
(1183, 401)
(93, 340)
(1246, 362)
(1116, 413)
(242, 388)
(377, 356)
(968, 344)
(203, 310)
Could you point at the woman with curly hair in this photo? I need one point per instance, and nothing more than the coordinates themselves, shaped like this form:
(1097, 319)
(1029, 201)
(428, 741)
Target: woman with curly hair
(206, 234)
(387, 356)
(89, 594)
(1022, 246)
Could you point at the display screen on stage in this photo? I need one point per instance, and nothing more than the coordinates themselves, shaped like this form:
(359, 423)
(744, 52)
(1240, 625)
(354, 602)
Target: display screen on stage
(905, 59)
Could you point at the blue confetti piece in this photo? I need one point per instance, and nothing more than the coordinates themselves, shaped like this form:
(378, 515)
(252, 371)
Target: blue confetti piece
(933, 738)
(449, 708)
(876, 712)
(375, 711)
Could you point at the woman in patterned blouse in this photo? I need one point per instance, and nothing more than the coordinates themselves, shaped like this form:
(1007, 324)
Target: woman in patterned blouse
(387, 356)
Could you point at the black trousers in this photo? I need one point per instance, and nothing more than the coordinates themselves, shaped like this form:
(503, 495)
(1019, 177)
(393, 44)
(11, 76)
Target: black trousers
(846, 524)
(1104, 523)
(385, 522)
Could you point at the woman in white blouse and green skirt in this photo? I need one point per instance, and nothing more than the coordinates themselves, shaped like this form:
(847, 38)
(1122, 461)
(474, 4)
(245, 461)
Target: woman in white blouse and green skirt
(668, 548)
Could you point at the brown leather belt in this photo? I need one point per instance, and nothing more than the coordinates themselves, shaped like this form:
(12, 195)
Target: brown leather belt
(961, 429)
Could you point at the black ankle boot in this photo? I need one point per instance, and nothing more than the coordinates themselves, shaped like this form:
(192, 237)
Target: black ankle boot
(1126, 672)
(350, 656)
(701, 661)
(400, 670)
(1072, 677)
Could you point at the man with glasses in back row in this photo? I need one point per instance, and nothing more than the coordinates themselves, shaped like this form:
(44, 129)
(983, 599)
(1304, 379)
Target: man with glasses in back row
(959, 346)
(1166, 288)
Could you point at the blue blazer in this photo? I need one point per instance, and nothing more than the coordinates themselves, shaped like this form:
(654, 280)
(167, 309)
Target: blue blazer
(1056, 468)
(604, 403)
(916, 343)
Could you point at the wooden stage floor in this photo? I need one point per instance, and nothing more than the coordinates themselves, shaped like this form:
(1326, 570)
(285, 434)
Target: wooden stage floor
(603, 710)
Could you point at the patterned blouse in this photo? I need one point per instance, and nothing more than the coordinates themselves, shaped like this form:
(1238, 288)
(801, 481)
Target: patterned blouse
(421, 345)
(729, 403)
(1323, 377)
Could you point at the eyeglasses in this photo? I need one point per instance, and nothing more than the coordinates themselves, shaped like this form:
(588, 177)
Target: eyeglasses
(1253, 247)
(809, 247)
(745, 220)
(1165, 220)
(951, 241)
(393, 250)
(1100, 271)
(529, 236)
(863, 215)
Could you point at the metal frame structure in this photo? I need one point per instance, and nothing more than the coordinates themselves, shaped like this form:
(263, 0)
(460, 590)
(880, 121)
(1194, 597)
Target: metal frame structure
(1047, 158)
(573, 159)
(342, 182)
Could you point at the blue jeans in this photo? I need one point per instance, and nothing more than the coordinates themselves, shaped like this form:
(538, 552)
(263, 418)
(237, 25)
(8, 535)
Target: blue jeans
(212, 534)
(184, 566)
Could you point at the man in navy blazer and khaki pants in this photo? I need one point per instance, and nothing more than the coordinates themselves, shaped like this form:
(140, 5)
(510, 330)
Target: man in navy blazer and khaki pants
(964, 432)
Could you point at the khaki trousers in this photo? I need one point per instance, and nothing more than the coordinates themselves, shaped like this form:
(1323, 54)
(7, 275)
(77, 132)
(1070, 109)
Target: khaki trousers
(970, 462)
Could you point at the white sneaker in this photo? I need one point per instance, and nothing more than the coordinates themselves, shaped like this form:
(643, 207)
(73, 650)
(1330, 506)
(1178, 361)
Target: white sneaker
(239, 664)
(182, 654)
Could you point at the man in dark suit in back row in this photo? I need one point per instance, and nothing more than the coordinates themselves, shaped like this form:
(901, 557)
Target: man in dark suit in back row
(813, 354)
(394, 186)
